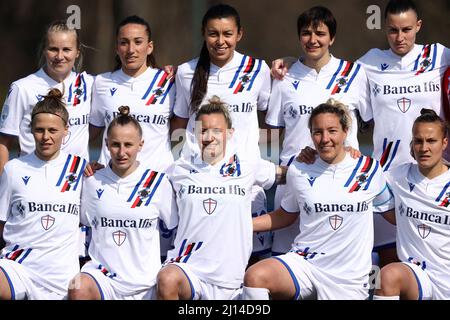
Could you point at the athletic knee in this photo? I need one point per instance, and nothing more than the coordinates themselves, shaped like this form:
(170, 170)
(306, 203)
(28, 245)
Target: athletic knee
(257, 276)
(5, 290)
(82, 287)
(390, 279)
(169, 281)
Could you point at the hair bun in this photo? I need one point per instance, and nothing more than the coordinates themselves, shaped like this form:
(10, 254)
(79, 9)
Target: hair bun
(426, 111)
(54, 94)
(215, 100)
(124, 110)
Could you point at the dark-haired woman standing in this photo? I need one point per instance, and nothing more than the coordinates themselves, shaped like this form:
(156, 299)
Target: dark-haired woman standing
(239, 80)
(136, 82)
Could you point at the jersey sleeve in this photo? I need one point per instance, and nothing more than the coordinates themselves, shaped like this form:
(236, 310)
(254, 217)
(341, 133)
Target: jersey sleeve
(84, 218)
(384, 199)
(5, 194)
(13, 111)
(265, 173)
(168, 211)
(274, 115)
(352, 136)
(289, 200)
(364, 105)
(264, 92)
(97, 115)
(182, 100)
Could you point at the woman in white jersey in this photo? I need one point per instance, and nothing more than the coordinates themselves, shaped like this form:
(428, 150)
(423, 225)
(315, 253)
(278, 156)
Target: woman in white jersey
(123, 204)
(213, 192)
(39, 210)
(331, 256)
(315, 77)
(402, 79)
(149, 91)
(241, 81)
(60, 62)
(137, 82)
(422, 197)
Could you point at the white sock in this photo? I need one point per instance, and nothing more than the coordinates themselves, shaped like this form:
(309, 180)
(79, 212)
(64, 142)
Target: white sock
(375, 297)
(254, 293)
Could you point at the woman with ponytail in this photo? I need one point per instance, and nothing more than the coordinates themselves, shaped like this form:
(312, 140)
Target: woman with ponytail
(138, 82)
(39, 210)
(240, 81)
(123, 204)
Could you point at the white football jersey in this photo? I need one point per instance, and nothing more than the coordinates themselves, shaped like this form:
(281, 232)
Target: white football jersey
(124, 214)
(25, 93)
(150, 97)
(243, 83)
(400, 87)
(303, 89)
(214, 234)
(336, 226)
(40, 202)
(423, 223)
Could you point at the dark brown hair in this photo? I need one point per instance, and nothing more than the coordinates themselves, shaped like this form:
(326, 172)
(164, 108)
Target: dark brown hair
(123, 119)
(200, 80)
(51, 103)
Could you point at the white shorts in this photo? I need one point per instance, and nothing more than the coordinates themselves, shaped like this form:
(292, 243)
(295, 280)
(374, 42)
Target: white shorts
(384, 233)
(22, 285)
(283, 238)
(262, 241)
(202, 290)
(313, 283)
(106, 287)
(426, 287)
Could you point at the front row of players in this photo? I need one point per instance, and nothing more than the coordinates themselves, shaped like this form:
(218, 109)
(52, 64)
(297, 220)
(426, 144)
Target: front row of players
(207, 196)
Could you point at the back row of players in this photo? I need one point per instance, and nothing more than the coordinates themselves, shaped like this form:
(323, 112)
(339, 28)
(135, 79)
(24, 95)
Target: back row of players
(244, 84)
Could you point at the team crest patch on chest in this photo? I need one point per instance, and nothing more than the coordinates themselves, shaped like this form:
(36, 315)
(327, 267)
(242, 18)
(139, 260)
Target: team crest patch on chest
(362, 174)
(404, 104)
(119, 237)
(335, 221)
(145, 189)
(423, 230)
(71, 174)
(209, 205)
(232, 168)
(47, 222)
(246, 74)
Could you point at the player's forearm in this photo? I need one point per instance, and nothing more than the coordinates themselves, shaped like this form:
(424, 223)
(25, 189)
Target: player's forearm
(390, 217)
(4, 155)
(275, 220)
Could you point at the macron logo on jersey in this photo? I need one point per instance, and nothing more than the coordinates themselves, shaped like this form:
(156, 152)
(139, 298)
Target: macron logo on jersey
(26, 179)
(384, 66)
(311, 180)
(99, 192)
(39, 97)
(411, 186)
(113, 91)
(295, 84)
